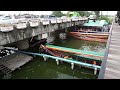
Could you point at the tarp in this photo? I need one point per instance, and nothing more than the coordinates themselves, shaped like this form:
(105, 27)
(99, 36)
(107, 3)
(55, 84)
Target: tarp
(96, 23)
(104, 22)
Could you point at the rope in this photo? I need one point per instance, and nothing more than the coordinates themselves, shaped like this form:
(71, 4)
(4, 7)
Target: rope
(31, 39)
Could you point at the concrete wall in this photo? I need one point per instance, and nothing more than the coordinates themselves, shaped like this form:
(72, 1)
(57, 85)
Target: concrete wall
(17, 34)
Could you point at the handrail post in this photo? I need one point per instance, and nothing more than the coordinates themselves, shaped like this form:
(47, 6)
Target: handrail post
(95, 71)
(57, 61)
(45, 58)
(72, 66)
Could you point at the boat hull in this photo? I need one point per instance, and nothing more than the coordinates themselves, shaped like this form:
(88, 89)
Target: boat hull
(95, 34)
(89, 38)
(61, 54)
(92, 36)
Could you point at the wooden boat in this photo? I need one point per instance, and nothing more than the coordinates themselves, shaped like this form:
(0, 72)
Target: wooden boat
(91, 36)
(53, 52)
(81, 53)
(95, 34)
(60, 54)
(89, 39)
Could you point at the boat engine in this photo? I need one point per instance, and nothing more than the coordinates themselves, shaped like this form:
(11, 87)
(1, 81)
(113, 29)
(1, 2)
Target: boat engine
(63, 36)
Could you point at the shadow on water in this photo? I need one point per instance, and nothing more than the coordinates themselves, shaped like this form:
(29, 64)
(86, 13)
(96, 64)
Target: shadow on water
(39, 69)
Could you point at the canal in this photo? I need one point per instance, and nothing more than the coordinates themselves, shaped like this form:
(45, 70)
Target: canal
(39, 69)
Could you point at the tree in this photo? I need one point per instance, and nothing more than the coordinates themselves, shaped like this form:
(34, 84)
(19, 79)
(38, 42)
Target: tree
(84, 13)
(58, 13)
(97, 13)
(41, 16)
(103, 17)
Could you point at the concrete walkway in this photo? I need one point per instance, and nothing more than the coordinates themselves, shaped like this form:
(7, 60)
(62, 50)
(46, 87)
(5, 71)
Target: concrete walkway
(15, 60)
(113, 62)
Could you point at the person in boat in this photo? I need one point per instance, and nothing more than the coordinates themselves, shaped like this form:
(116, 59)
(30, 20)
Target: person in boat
(88, 29)
(94, 63)
(34, 42)
(42, 49)
(99, 29)
(74, 30)
(43, 41)
(67, 57)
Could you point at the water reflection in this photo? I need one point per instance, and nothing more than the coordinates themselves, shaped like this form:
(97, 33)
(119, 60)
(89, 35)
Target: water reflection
(81, 44)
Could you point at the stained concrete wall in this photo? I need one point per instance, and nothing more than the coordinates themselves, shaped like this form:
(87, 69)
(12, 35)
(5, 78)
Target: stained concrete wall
(17, 35)
(23, 44)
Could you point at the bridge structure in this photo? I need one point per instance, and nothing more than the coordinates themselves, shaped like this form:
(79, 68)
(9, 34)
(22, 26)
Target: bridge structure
(20, 32)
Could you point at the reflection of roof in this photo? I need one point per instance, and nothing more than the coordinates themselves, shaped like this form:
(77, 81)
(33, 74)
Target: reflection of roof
(97, 23)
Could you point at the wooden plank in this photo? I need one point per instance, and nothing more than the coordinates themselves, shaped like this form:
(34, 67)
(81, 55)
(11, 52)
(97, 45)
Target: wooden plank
(113, 62)
(15, 60)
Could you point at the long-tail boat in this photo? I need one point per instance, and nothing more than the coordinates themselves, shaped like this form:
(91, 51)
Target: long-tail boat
(95, 34)
(60, 54)
(52, 52)
(81, 53)
(89, 38)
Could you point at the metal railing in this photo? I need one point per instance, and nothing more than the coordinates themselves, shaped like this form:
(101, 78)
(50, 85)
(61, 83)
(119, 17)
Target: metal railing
(103, 65)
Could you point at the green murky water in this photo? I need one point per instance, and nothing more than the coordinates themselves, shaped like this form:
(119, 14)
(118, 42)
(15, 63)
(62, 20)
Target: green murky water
(39, 69)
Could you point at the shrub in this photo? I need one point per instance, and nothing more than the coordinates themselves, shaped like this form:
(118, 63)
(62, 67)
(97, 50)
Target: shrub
(109, 20)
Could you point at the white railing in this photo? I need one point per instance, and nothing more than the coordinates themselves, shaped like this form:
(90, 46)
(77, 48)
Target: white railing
(45, 22)
(53, 21)
(22, 25)
(35, 23)
(6, 28)
(59, 20)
